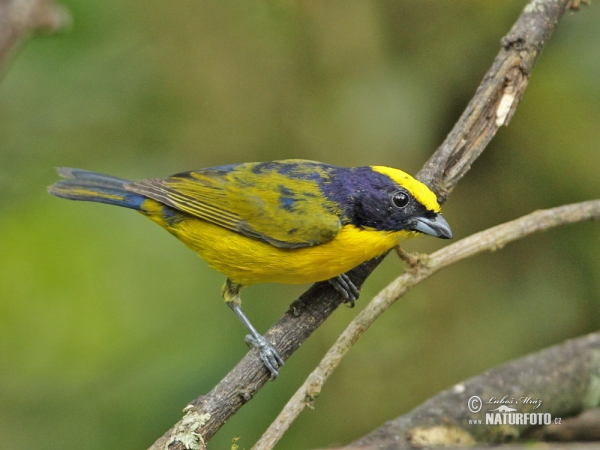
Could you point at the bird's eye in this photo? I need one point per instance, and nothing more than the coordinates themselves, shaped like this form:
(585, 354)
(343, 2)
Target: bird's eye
(400, 199)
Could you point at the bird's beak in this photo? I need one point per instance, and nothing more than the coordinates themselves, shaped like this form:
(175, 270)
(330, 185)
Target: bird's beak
(437, 226)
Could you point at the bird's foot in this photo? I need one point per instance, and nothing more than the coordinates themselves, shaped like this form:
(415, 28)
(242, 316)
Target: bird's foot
(412, 259)
(344, 285)
(267, 353)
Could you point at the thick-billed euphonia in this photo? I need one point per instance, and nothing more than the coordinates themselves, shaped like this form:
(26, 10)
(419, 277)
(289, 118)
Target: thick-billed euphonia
(289, 221)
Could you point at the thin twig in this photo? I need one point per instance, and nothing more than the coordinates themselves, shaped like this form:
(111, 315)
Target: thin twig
(488, 240)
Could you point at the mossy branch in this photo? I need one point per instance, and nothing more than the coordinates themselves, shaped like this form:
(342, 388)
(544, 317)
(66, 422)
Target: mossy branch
(562, 381)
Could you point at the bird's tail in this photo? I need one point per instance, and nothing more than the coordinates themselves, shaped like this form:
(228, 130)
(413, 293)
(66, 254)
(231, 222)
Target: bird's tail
(95, 187)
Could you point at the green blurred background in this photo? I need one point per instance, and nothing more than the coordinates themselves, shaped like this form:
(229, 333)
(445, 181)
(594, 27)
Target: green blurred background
(108, 325)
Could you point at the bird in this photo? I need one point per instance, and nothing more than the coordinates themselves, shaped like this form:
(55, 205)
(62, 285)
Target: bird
(290, 221)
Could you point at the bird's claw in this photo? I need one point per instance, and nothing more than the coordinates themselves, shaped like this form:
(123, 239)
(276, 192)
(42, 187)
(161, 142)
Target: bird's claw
(268, 354)
(344, 285)
(412, 259)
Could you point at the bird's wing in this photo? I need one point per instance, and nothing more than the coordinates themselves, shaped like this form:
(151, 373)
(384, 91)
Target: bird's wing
(279, 203)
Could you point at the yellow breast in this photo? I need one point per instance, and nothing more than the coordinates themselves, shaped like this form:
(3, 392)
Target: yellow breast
(248, 261)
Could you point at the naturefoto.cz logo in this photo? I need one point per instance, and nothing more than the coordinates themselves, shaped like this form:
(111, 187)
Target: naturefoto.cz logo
(509, 415)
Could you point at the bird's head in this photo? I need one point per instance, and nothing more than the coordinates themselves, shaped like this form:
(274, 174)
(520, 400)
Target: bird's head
(391, 200)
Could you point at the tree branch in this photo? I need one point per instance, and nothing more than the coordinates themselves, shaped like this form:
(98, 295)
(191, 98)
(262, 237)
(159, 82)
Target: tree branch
(19, 18)
(497, 96)
(488, 240)
(563, 377)
(493, 105)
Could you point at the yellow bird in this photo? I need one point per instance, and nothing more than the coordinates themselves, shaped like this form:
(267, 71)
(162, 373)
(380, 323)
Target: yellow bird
(289, 221)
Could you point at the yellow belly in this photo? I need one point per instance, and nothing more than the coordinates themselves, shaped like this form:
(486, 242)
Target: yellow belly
(248, 261)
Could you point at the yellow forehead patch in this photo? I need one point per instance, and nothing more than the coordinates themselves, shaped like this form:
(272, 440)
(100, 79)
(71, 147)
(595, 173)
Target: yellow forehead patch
(422, 193)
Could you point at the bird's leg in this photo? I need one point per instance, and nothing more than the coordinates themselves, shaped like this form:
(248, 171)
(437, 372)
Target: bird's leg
(269, 356)
(344, 285)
